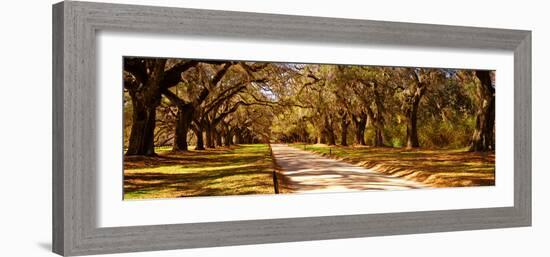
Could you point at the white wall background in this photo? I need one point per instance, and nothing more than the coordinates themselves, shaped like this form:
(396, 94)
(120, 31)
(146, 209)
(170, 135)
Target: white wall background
(25, 128)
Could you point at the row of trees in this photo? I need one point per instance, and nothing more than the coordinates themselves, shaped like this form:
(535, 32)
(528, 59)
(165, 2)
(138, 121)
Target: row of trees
(391, 106)
(173, 100)
(219, 103)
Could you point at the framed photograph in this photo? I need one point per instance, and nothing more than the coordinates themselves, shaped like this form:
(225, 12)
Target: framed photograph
(183, 128)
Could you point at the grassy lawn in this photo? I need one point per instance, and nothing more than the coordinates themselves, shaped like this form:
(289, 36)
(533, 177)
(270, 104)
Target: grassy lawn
(239, 170)
(438, 168)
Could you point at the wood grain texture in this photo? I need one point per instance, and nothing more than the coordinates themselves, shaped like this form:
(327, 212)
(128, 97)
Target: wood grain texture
(58, 218)
(522, 128)
(74, 124)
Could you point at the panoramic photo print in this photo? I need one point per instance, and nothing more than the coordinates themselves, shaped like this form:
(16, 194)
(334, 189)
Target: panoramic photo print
(219, 128)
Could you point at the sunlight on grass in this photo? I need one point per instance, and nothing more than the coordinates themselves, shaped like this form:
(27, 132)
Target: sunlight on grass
(438, 168)
(178, 169)
(244, 169)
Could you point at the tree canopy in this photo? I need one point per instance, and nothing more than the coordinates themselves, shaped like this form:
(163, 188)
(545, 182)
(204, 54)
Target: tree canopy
(209, 104)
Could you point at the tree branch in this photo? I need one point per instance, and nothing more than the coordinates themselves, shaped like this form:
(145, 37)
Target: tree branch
(216, 103)
(206, 90)
(136, 67)
(220, 73)
(174, 98)
(173, 76)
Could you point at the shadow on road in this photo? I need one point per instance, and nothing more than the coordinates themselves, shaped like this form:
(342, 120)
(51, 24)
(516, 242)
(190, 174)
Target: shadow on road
(307, 172)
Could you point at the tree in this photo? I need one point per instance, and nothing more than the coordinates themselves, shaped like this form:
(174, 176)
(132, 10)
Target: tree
(320, 96)
(414, 84)
(211, 110)
(351, 103)
(368, 87)
(145, 79)
(413, 94)
(222, 103)
(187, 110)
(484, 133)
(344, 124)
(360, 122)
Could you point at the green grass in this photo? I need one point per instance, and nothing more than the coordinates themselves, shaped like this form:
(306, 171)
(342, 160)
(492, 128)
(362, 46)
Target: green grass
(160, 149)
(239, 170)
(438, 168)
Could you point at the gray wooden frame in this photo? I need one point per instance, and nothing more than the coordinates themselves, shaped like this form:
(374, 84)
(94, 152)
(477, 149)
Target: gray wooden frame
(75, 25)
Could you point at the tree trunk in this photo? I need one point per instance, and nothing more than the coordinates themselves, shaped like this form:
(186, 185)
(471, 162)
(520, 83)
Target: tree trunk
(331, 137)
(411, 111)
(329, 130)
(141, 141)
(360, 123)
(412, 131)
(378, 137)
(145, 100)
(183, 122)
(238, 138)
(200, 140)
(218, 137)
(344, 133)
(484, 133)
(360, 133)
(323, 138)
(245, 137)
(228, 138)
(209, 136)
(377, 121)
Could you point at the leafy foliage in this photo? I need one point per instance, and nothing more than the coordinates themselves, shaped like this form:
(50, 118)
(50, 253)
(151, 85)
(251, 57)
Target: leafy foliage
(215, 103)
